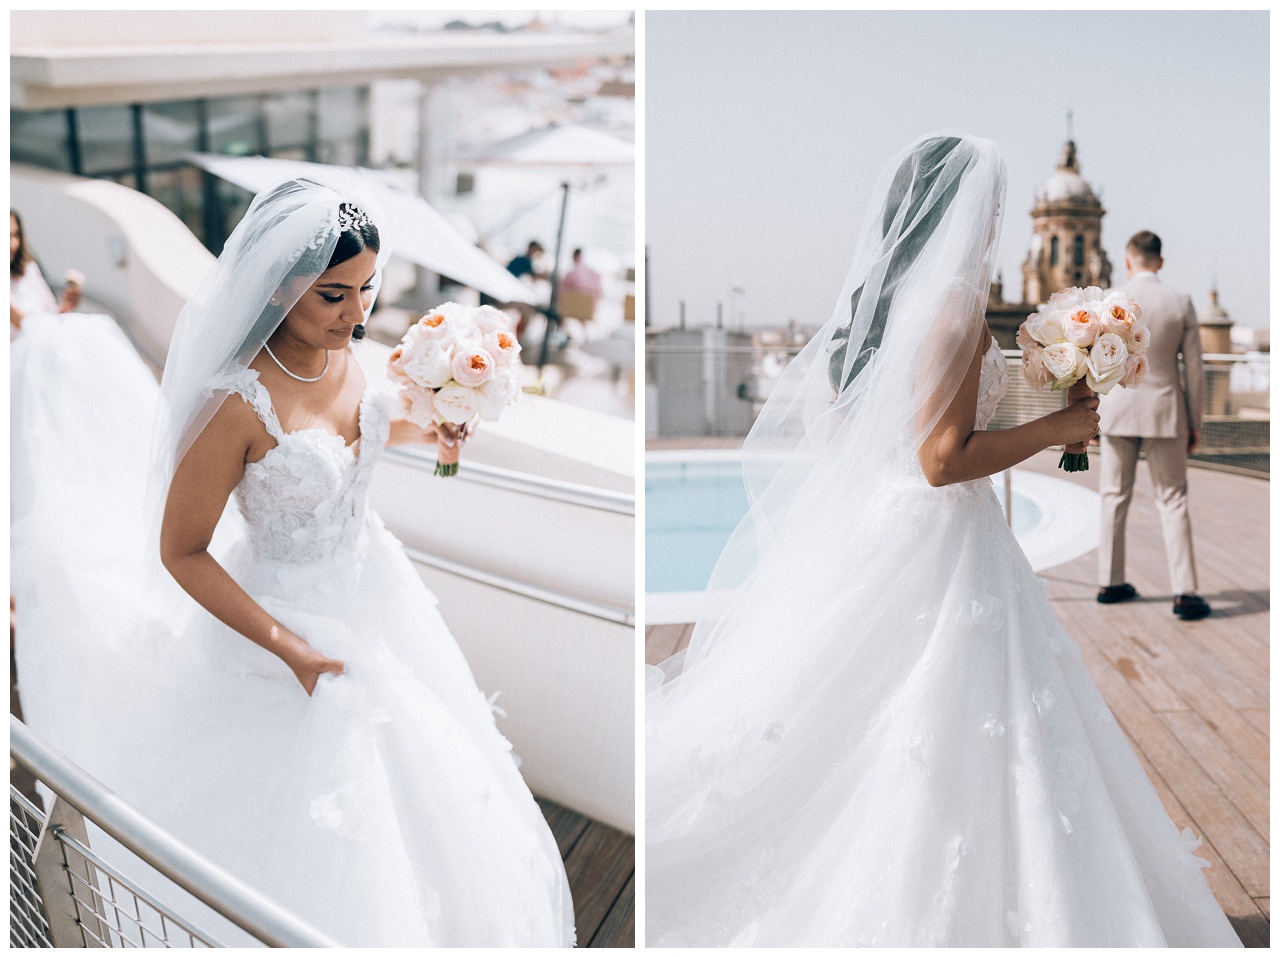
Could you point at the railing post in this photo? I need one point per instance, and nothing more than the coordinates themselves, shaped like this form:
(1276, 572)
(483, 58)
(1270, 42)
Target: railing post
(57, 888)
(1008, 497)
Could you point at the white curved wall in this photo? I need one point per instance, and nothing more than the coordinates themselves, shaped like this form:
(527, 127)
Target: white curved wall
(139, 260)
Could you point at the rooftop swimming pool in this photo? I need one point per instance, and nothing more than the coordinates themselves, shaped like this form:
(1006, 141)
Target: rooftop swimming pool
(695, 498)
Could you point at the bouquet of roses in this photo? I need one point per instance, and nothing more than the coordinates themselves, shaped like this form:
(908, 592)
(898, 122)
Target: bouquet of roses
(455, 363)
(1083, 341)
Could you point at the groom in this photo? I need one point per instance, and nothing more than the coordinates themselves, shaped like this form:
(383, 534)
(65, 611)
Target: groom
(1160, 417)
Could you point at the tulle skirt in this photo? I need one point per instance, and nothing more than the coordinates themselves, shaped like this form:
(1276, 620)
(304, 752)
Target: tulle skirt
(890, 740)
(386, 809)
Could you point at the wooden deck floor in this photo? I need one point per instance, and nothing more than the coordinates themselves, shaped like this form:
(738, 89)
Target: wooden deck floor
(601, 864)
(1193, 697)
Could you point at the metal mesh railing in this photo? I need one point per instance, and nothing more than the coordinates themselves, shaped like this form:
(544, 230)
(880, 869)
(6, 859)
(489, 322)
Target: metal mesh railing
(27, 925)
(695, 390)
(114, 912)
(65, 894)
(1236, 429)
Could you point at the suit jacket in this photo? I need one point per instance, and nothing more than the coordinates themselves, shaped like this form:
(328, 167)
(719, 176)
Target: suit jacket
(1160, 408)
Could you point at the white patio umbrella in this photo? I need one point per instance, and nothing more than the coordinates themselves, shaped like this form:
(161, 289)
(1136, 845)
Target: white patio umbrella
(558, 144)
(413, 229)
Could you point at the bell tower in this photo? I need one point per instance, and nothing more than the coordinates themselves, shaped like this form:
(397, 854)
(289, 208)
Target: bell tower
(1066, 241)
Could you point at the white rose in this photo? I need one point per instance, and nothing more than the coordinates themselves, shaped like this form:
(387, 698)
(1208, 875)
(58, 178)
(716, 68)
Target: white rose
(1045, 327)
(419, 405)
(490, 319)
(1106, 364)
(1066, 364)
(428, 364)
(495, 395)
(1064, 299)
(455, 404)
(468, 337)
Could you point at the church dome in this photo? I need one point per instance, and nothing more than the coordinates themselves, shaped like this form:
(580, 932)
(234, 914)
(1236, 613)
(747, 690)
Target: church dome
(1065, 184)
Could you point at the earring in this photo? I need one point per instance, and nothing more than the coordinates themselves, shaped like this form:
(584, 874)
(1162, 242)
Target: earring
(358, 333)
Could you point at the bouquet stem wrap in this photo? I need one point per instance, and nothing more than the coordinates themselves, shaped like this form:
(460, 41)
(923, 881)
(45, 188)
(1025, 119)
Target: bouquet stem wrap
(1075, 457)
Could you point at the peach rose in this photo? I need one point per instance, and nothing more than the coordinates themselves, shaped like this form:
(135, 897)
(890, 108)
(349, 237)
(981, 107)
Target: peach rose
(1139, 340)
(472, 367)
(1080, 326)
(502, 346)
(1135, 370)
(1118, 314)
(418, 404)
(1033, 368)
(395, 366)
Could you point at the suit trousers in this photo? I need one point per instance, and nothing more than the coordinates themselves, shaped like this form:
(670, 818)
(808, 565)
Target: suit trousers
(1167, 460)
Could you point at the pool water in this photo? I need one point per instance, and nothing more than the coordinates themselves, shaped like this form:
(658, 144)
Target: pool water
(692, 506)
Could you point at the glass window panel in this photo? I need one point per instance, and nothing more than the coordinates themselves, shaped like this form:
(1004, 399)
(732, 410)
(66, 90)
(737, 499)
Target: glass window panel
(343, 121)
(288, 117)
(181, 191)
(106, 139)
(39, 138)
(235, 126)
(170, 130)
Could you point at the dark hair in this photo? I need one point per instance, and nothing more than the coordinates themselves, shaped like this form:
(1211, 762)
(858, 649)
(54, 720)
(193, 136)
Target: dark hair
(1145, 245)
(357, 235)
(918, 172)
(577, 252)
(356, 238)
(19, 260)
(534, 244)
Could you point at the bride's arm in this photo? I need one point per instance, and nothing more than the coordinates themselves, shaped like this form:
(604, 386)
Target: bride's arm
(956, 452)
(201, 486)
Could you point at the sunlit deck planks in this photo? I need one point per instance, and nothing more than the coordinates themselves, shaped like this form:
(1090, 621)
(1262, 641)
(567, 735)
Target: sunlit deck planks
(1193, 697)
(601, 865)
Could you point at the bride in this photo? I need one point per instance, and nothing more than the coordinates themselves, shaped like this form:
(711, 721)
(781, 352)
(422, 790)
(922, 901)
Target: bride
(307, 721)
(888, 738)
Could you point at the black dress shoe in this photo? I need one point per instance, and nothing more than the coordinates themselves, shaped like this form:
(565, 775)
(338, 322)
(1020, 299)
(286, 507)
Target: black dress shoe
(1117, 593)
(1188, 607)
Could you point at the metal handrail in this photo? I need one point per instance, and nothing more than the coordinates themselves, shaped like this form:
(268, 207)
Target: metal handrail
(210, 883)
(557, 490)
(562, 600)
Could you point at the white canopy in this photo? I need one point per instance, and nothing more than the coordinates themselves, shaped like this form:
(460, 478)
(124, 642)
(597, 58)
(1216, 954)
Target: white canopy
(558, 145)
(414, 229)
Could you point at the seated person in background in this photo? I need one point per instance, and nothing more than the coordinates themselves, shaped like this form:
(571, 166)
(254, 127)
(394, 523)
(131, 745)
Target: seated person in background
(581, 277)
(28, 291)
(523, 265)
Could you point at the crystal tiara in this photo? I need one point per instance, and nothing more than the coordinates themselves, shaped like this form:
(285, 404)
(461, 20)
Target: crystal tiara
(351, 218)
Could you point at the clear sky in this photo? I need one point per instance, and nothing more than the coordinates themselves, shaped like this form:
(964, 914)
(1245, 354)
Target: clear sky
(765, 133)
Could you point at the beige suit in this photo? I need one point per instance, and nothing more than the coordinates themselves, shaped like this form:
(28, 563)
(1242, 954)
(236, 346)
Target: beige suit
(1153, 417)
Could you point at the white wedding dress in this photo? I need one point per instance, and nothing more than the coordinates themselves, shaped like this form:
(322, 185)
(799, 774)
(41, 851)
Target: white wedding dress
(386, 809)
(902, 747)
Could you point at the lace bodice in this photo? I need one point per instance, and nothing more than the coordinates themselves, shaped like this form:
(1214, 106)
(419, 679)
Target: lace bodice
(305, 499)
(992, 382)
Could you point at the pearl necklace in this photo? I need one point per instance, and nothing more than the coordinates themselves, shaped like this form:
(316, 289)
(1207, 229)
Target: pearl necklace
(301, 379)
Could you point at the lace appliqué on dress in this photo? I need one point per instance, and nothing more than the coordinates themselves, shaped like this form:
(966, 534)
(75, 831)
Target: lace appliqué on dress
(305, 499)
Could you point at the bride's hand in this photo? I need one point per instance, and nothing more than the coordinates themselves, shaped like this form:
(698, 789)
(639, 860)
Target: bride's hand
(1078, 422)
(308, 665)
